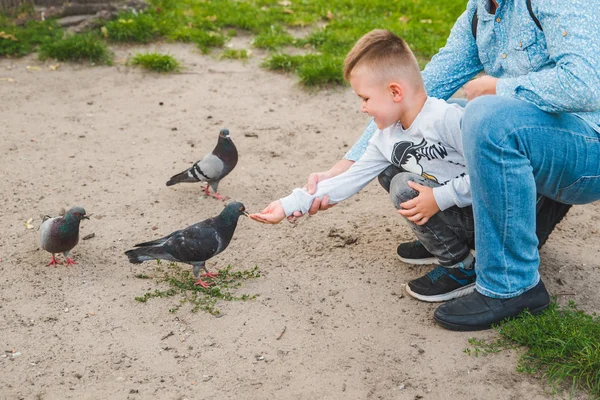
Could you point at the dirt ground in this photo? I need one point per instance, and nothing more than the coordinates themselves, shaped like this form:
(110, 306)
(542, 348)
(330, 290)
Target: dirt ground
(99, 137)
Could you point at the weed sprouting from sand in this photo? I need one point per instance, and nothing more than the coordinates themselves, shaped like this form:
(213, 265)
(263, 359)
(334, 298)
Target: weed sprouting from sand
(156, 62)
(87, 47)
(562, 344)
(181, 282)
(234, 54)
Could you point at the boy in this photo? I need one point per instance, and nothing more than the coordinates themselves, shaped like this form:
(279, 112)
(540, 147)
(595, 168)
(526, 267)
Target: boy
(422, 137)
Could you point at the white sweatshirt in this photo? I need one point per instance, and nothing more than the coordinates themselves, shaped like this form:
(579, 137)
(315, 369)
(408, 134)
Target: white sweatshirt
(430, 147)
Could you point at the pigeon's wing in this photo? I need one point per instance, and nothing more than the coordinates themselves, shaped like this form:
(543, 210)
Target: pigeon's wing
(157, 242)
(210, 167)
(198, 242)
(46, 234)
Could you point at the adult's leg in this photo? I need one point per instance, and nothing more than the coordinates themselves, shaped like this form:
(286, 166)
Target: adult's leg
(514, 151)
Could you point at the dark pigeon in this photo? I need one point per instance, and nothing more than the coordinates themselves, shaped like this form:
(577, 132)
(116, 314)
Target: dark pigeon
(213, 167)
(194, 244)
(61, 234)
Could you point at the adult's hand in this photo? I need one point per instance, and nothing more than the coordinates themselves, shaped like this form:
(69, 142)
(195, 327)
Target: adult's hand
(480, 86)
(322, 204)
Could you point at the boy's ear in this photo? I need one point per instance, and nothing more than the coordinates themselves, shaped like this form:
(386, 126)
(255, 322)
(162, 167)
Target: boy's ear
(395, 91)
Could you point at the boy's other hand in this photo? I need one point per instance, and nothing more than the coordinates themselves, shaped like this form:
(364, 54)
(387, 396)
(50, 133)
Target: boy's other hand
(422, 207)
(273, 214)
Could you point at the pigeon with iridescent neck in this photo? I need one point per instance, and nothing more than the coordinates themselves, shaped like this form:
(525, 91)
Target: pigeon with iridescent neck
(61, 234)
(193, 245)
(213, 167)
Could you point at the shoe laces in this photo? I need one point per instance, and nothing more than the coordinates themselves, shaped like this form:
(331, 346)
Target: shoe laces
(436, 273)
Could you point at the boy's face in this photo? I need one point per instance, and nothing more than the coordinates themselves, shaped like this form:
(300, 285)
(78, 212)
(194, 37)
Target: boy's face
(376, 97)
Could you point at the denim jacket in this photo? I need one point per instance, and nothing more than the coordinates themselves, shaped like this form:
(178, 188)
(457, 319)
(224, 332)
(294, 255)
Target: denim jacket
(557, 69)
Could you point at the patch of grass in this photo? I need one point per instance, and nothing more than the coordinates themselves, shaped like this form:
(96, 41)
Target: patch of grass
(562, 344)
(86, 47)
(330, 28)
(132, 28)
(181, 282)
(21, 40)
(234, 54)
(156, 62)
(273, 38)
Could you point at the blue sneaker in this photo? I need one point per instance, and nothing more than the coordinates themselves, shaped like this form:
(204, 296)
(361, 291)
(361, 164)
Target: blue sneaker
(441, 284)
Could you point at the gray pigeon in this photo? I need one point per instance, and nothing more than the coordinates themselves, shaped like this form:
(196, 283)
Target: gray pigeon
(213, 167)
(194, 244)
(61, 234)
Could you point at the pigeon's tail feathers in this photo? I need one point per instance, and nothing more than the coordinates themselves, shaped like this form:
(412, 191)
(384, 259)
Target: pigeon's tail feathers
(138, 256)
(195, 173)
(185, 176)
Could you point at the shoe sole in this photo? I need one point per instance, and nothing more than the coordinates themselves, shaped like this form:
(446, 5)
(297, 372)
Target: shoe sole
(468, 328)
(423, 261)
(463, 291)
(418, 261)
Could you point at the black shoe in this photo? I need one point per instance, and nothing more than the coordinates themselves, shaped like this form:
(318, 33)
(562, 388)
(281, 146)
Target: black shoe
(476, 312)
(442, 284)
(415, 253)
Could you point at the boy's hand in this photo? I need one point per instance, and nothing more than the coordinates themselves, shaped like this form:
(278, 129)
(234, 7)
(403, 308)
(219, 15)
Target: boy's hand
(273, 214)
(422, 207)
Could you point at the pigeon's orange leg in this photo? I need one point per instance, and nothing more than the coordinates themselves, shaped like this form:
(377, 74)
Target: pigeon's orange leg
(69, 262)
(205, 285)
(210, 275)
(215, 194)
(218, 196)
(53, 262)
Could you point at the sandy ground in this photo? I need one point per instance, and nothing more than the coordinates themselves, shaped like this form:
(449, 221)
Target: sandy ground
(98, 137)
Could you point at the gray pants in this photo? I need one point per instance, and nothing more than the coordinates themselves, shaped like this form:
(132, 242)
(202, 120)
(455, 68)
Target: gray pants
(448, 234)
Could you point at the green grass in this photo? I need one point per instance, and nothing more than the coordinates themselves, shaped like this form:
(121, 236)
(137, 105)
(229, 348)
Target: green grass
(318, 33)
(156, 62)
(18, 41)
(87, 47)
(233, 54)
(562, 344)
(181, 283)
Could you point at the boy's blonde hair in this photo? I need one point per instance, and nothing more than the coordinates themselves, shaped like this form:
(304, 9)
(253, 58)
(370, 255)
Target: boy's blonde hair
(386, 55)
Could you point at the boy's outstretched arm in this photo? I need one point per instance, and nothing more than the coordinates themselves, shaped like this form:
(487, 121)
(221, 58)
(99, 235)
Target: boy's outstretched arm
(272, 214)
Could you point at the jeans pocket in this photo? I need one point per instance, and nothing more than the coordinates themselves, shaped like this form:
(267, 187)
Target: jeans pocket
(584, 190)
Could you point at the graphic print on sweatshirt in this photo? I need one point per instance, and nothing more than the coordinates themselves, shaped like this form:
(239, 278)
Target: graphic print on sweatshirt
(407, 155)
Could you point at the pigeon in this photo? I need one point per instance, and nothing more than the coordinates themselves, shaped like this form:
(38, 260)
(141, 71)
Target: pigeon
(213, 167)
(193, 245)
(61, 234)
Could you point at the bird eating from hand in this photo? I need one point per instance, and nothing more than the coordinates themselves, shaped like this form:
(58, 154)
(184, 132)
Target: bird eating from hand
(213, 167)
(61, 234)
(193, 245)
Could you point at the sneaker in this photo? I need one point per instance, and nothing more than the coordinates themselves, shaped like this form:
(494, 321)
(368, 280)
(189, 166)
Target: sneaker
(441, 284)
(415, 253)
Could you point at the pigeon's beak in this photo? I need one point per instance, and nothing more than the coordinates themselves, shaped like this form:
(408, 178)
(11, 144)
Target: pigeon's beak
(85, 217)
(247, 214)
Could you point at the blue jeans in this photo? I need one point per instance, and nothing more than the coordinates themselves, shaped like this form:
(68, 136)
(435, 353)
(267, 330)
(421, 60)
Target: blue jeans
(513, 150)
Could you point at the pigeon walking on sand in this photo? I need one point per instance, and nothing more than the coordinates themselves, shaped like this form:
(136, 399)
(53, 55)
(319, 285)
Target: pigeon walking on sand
(213, 167)
(195, 244)
(61, 234)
